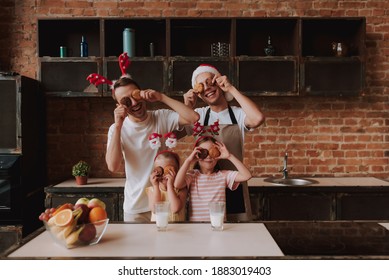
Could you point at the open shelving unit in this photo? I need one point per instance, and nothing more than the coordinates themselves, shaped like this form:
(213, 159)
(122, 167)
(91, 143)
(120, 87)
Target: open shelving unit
(303, 63)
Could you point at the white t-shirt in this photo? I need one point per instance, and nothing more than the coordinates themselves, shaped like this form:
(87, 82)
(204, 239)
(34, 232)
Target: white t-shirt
(224, 117)
(139, 157)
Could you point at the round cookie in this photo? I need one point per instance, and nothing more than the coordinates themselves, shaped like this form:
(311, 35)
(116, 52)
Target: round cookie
(168, 168)
(202, 154)
(214, 152)
(159, 171)
(198, 88)
(136, 94)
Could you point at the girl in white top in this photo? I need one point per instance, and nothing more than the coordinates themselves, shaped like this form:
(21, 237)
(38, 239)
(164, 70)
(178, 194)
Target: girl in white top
(206, 182)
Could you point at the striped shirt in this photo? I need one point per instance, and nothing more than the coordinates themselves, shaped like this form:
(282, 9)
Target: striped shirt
(206, 188)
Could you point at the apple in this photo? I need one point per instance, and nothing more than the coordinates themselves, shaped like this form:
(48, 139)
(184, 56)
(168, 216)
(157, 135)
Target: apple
(82, 200)
(95, 202)
(84, 216)
(87, 233)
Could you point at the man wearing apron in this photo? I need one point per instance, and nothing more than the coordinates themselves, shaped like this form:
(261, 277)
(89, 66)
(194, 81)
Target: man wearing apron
(233, 123)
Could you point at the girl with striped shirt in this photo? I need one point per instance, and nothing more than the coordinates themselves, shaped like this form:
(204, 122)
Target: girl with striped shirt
(205, 182)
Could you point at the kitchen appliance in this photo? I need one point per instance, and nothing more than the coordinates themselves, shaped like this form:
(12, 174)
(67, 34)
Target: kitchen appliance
(22, 151)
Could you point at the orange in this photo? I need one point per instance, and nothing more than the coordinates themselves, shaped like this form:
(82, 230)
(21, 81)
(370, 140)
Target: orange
(97, 214)
(62, 207)
(63, 218)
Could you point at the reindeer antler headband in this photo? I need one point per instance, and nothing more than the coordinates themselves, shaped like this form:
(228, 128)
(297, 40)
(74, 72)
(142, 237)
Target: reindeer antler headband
(97, 79)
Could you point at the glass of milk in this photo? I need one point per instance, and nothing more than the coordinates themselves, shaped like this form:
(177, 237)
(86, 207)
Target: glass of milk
(161, 210)
(216, 213)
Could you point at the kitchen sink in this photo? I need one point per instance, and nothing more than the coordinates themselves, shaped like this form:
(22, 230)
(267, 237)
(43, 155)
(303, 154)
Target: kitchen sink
(290, 181)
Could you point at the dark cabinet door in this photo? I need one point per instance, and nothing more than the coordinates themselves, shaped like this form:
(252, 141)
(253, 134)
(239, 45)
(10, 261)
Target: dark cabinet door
(363, 206)
(298, 206)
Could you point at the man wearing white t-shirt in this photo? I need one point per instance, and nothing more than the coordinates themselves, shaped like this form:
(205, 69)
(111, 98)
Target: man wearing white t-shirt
(128, 139)
(234, 122)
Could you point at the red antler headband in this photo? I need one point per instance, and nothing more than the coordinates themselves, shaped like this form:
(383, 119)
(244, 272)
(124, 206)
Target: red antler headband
(124, 63)
(97, 79)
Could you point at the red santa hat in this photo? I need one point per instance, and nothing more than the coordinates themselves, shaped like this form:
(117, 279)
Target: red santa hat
(207, 68)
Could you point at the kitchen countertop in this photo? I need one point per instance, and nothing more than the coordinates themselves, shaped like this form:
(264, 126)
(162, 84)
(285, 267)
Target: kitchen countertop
(269, 240)
(253, 182)
(329, 181)
(183, 240)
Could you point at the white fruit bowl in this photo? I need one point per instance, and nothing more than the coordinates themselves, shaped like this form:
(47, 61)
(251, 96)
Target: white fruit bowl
(72, 236)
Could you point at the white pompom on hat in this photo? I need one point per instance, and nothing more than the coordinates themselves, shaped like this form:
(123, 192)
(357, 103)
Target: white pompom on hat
(207, 68)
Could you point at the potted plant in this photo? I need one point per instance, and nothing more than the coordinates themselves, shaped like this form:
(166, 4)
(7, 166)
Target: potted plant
(80, 171)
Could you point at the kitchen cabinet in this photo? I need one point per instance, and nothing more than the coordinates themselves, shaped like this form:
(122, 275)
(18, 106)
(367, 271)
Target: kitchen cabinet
(362, 198)
(109, 190)
(10, 235)
(303, 62)
(341, 73)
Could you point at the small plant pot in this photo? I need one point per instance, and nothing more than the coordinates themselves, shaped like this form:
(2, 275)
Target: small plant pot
(81, 180)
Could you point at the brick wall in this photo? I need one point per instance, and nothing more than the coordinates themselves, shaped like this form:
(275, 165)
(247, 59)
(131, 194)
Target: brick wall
(324, 136)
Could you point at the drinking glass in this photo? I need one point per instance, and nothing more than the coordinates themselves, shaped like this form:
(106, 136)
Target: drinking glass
(162, 215)
(216, 213)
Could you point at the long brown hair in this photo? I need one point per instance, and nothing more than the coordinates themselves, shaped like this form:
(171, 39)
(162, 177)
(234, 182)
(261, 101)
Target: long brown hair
(201, 140)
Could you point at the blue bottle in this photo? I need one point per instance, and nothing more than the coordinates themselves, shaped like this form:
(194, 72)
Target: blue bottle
(129, 41)
(83, 47)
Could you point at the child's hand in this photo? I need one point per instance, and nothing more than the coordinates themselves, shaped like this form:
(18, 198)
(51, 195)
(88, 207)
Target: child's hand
(224, 153)
(193, 157)
(154, 178)
(170, 176)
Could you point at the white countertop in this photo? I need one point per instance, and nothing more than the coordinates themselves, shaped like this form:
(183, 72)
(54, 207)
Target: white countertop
(181, 240)
(253, 182)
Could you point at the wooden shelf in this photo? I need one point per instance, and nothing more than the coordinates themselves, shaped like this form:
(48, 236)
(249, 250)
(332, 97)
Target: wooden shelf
(303, 63)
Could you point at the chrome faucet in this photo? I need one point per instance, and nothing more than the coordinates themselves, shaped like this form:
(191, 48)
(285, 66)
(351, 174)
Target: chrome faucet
(285, 169)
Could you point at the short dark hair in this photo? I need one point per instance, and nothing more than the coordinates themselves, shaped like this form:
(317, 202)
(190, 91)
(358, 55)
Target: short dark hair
(122, 82)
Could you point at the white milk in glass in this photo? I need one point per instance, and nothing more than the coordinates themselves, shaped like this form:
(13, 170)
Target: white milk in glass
(217, 220)
(162, 220)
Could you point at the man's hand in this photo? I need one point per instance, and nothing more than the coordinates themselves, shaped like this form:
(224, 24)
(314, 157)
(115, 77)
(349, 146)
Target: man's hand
(190, 98)
(222, 82)
(151, 95)
(120, 113)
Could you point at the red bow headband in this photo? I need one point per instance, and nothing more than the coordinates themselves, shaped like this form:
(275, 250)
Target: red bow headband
(199, 130)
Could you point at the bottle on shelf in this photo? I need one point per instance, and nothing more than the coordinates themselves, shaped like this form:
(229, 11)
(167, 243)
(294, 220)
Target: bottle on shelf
(83, 47)
(151, 49)
(129, 41)
(269, 49)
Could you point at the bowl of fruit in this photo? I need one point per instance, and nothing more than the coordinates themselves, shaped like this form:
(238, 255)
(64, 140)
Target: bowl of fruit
(75, 225)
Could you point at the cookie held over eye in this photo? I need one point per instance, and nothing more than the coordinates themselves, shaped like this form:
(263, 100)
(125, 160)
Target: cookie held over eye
(214, 152)
(198, 88)
(136, 94)
(202, 153)
(126, 101)
(159, 171)
(168, 168)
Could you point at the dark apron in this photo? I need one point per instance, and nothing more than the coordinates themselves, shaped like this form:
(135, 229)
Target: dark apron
(238, 201)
